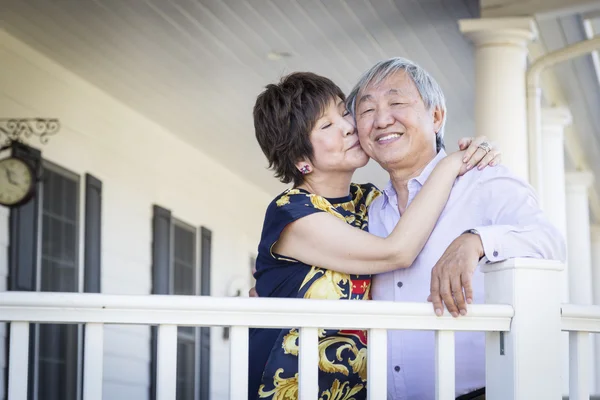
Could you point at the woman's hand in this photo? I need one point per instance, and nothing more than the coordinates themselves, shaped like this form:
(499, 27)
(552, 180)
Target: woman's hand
(473, 152)
(479, 151)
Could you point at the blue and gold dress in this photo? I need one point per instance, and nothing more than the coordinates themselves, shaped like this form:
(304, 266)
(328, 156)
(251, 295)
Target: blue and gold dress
(273, 363)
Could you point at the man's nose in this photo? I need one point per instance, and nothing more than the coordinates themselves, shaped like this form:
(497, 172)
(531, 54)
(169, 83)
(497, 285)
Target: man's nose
(383, 119)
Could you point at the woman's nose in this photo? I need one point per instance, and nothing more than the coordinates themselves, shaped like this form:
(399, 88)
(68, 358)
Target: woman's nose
(349, 129)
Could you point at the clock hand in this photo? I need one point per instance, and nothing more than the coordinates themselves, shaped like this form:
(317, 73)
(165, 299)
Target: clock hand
(9, 176)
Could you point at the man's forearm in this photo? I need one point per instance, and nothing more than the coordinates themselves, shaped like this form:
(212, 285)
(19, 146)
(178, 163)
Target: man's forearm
(540, 240)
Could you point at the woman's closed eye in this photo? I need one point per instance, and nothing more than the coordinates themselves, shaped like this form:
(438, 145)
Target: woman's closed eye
(366, 111)
(326, 125)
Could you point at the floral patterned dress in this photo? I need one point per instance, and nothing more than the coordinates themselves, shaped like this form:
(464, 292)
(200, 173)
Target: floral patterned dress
(273, 363)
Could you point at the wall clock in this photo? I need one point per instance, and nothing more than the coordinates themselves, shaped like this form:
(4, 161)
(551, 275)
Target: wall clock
(17, 181)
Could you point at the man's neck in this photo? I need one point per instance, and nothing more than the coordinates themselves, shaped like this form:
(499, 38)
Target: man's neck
(400, 177)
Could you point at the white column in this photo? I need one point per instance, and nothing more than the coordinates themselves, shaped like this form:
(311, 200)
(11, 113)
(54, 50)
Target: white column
(578, 237)
(554, 121)
(595, 242)
(500, 93)
(595, 247)
(579, 257)
(553, 196)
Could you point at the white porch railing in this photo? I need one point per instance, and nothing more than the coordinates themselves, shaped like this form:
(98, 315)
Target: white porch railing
(580, 321)
(522, 320)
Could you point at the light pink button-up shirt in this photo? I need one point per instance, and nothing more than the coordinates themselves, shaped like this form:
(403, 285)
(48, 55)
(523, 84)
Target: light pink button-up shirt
(504, 209)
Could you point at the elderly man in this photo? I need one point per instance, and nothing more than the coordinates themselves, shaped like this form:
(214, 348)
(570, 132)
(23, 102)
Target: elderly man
(400, 114)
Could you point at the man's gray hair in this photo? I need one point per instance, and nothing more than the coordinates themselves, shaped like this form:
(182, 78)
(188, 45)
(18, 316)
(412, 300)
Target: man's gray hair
(430, 91)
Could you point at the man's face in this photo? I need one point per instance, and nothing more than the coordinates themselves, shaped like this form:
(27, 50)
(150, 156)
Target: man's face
(394, 126)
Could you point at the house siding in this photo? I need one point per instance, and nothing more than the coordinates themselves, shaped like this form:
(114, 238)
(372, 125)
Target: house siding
(140, 164)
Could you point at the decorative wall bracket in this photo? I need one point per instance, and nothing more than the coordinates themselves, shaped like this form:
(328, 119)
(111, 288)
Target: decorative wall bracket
(17, 129)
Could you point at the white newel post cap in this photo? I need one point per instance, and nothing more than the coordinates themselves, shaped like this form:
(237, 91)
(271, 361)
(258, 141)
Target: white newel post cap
(523, 264)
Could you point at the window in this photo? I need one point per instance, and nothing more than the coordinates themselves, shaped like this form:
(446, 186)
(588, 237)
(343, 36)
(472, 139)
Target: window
(181, 266)
(57, 345)
(185, 277)
(45, 256)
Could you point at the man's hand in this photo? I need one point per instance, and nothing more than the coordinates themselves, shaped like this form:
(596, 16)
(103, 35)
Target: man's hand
(453, 273)
(252, 292)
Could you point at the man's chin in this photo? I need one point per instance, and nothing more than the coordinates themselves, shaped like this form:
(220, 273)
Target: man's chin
(389, 158)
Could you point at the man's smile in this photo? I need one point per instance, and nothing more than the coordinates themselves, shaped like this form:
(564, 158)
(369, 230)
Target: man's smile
(388, 137)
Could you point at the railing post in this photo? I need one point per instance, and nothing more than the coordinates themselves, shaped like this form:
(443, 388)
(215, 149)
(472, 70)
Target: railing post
(525, 363)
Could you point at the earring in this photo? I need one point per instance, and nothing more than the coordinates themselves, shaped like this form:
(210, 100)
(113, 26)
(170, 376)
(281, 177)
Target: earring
(305, 169)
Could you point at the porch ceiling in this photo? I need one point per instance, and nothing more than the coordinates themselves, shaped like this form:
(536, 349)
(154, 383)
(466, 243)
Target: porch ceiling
(195, 67)
(555, 8)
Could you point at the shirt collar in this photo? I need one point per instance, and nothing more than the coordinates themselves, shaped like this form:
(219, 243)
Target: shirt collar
(389, 191)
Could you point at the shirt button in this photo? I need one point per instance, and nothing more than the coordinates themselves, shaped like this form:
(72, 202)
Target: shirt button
(495, 253)
(397, 368)
(400, 284)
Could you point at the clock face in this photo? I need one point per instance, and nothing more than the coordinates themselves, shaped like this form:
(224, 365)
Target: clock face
(16, 181)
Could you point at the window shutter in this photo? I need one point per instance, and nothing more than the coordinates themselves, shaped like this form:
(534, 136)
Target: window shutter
(161, 262)
(205, 264)
(24, 228)
(161, 250)
(23, 252)
(93, 234)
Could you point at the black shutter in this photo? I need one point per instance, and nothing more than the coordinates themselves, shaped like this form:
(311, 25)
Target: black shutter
(92, 239)
(93, 234)
(205, 252)
(24, 227)
(23, 253)
(161, 262)
(161, 250)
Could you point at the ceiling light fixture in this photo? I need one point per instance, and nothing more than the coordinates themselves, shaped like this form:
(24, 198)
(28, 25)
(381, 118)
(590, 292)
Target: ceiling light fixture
(278, 55)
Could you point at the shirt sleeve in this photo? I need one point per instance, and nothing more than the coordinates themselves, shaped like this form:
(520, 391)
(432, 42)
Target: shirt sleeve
(285, 209)
(516, 227)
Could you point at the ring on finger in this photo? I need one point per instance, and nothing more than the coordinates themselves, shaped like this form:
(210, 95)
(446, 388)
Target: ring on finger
(485, 146)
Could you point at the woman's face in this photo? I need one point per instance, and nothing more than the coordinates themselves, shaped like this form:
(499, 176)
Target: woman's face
(335, 143)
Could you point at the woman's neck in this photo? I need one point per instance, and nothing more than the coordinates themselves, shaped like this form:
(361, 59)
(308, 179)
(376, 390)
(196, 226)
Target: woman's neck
(330, 186)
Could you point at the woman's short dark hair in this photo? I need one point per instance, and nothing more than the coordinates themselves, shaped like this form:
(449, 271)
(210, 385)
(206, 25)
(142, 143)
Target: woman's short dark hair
(285, 114)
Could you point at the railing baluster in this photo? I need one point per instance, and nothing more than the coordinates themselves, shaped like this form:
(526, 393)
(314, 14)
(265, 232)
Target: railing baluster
(93, 361)
(166, 372)
(309, 364)
(377, 364)
(238, 356)
(18, 361)
(579, 365)
(444, 365)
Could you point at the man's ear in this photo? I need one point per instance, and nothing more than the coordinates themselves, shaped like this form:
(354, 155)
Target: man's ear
(439, 116)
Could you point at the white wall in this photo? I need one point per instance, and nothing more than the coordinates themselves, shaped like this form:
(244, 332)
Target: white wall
(140, 164)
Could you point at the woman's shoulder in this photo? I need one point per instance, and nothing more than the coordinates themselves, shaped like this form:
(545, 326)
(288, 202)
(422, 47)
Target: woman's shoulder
(290, 198)
(364, 193)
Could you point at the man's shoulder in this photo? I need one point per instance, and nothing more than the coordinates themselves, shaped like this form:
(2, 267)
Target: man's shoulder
(496, 183)
(490, 174)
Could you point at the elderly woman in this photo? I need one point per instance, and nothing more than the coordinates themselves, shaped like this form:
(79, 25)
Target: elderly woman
(314, 241)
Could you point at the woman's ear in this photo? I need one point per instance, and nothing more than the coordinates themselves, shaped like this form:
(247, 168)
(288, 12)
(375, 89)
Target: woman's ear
(304, 167)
